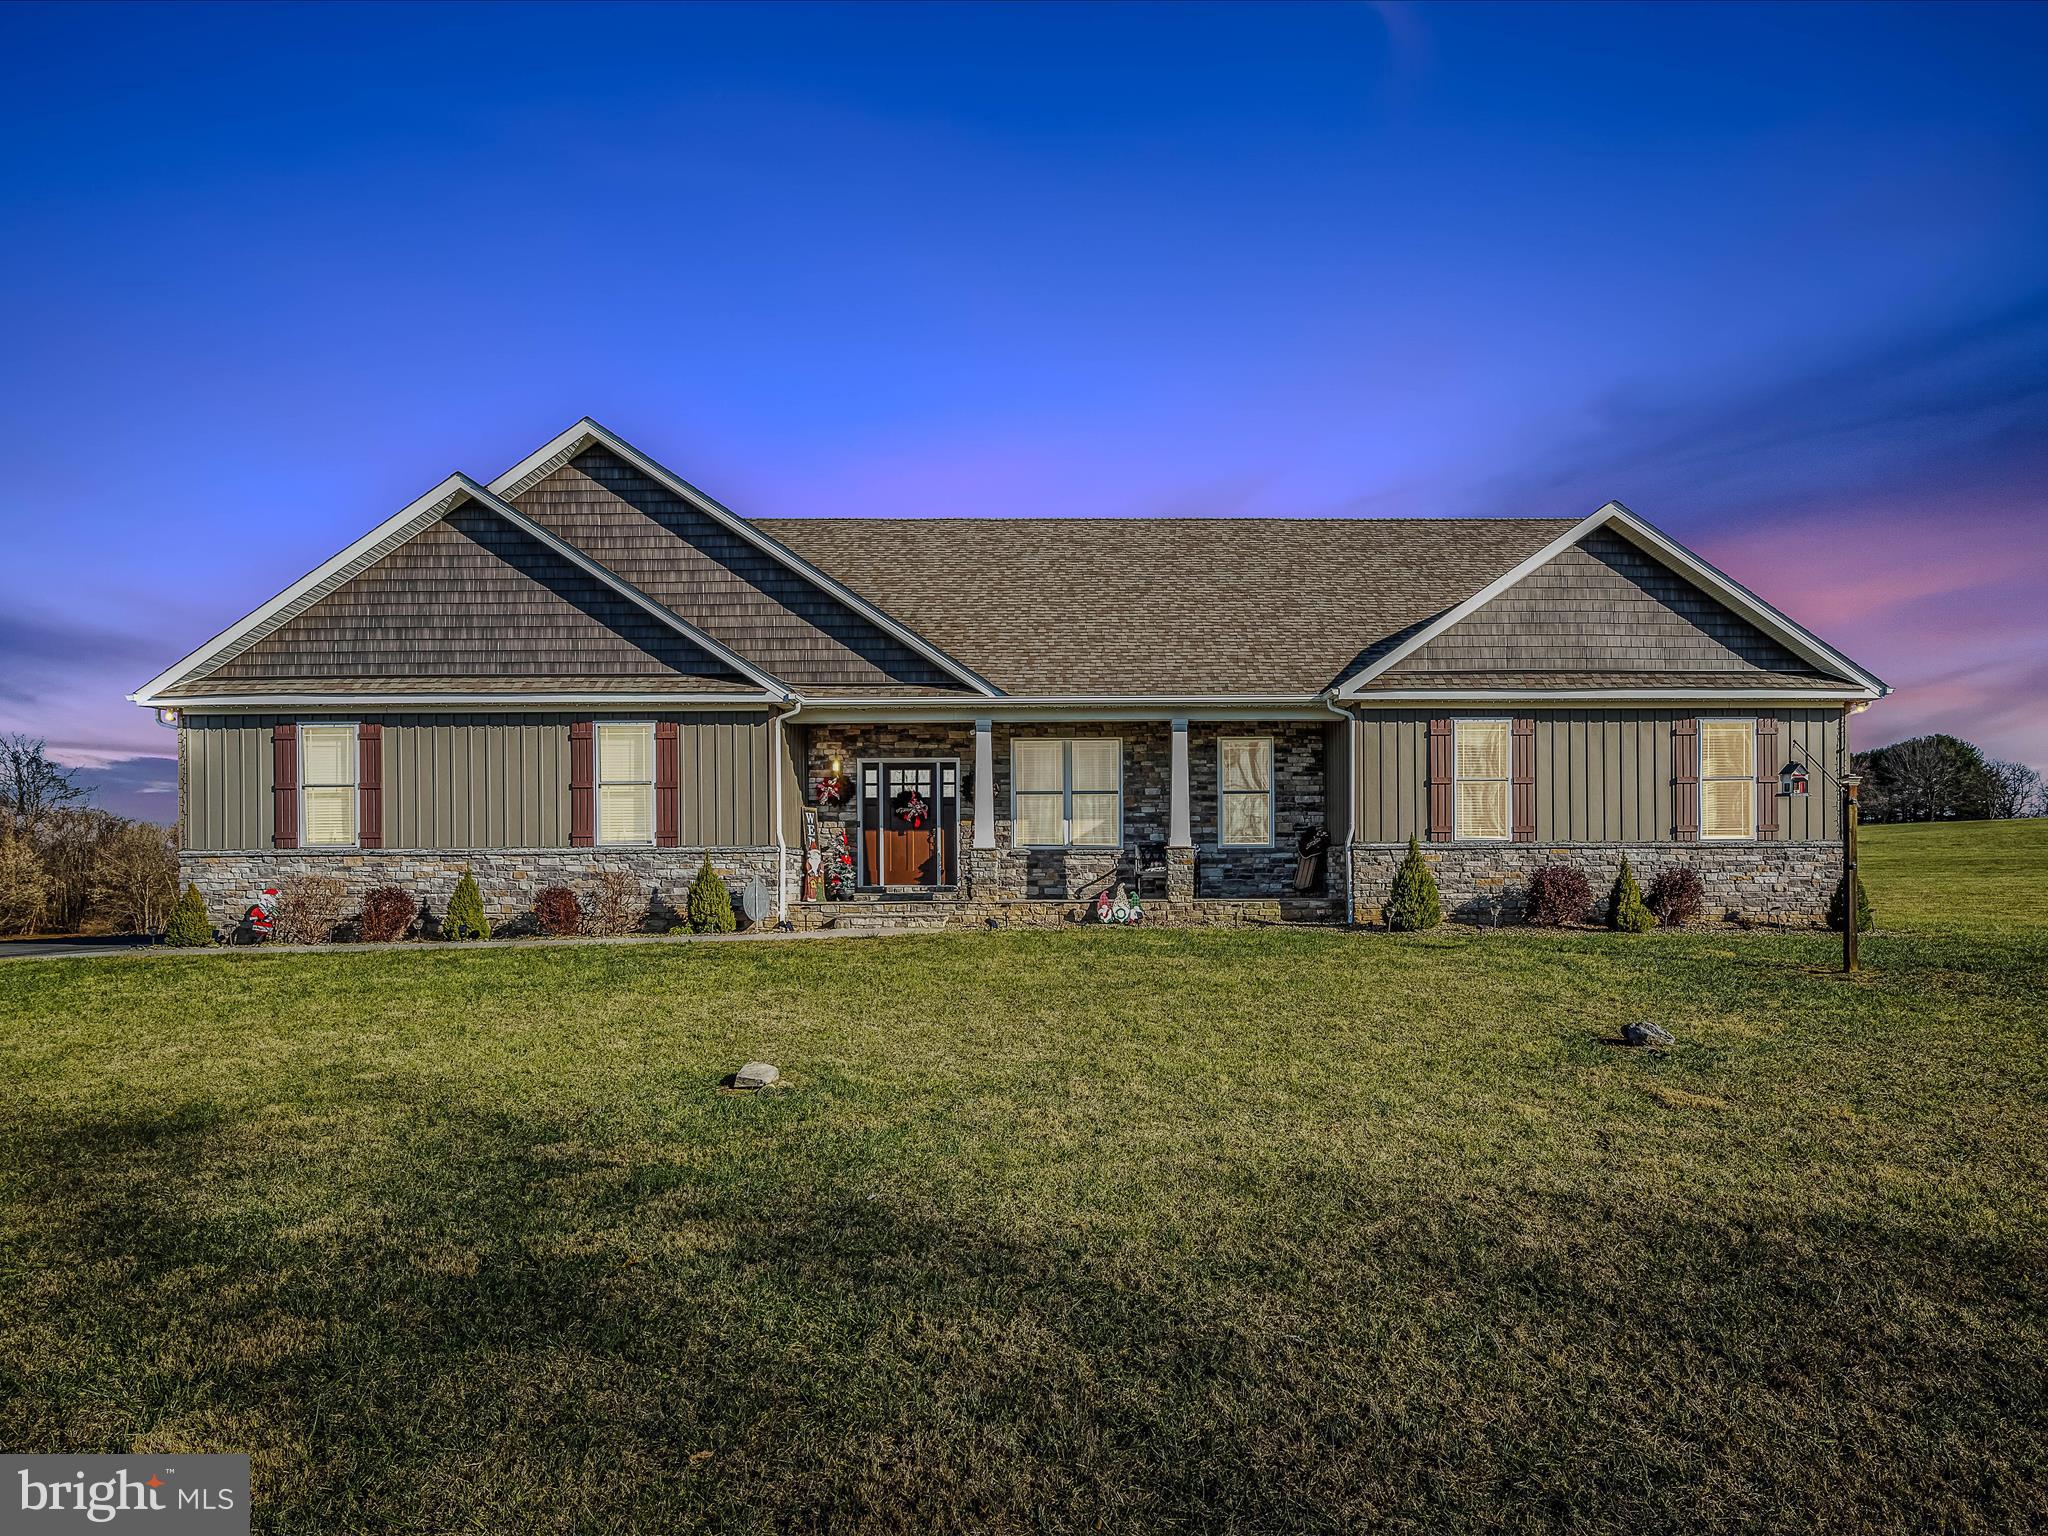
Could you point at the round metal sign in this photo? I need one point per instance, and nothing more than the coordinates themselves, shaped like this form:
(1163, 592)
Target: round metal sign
(754, 900)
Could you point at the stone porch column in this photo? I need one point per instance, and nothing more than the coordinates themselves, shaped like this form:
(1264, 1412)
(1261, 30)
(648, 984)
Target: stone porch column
(984, 784)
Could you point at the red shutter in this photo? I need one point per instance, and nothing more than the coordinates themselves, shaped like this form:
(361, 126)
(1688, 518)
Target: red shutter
(1767, 765)
(284, 784)
(665, 783)
(1685, 778)
(1523, 768)
(1441, 783)
(369, 785)
(582, 781)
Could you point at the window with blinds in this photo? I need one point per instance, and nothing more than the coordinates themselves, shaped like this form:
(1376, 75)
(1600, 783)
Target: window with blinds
(1727, 778)
(1244, 770)
(327, 786)
(1480, 758)
(1067, 793)
(625, 784)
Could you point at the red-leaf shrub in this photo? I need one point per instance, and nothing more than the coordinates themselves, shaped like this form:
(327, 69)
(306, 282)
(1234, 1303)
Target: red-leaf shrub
(388, 913)
(1558, 894)
(557, 912)
(1677, 896)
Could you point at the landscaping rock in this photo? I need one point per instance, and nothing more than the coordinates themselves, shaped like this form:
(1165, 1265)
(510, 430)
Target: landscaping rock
(1637, 1034)
(755, 1074)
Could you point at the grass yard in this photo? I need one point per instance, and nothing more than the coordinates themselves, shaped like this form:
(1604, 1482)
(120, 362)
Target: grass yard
(1271, 1231)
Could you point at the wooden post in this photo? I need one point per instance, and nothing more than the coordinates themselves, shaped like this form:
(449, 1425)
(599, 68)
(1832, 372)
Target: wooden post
(1849, 788)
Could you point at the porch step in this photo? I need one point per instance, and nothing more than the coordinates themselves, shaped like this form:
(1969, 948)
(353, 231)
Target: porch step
(878, 919)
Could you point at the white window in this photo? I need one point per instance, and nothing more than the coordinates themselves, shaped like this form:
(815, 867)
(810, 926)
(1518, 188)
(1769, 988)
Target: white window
(1479, 750)
(327, 786)
(1067, 793)
(1244, 775)
(625, 784)
(1727, 778)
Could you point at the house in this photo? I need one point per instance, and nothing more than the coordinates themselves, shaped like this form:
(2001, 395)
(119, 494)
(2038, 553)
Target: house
(589, 664)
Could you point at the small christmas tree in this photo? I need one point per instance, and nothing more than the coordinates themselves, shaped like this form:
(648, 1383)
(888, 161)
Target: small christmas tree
(1413, 905)
(1838, 907)
(1627, 911)
(838, 861)
(710, 902)
(465, 919)
(189, 927)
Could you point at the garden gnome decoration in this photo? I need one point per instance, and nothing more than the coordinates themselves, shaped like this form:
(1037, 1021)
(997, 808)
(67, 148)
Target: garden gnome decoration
(1309, 848)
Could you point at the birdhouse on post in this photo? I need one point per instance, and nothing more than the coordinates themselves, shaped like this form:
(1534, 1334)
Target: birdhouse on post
(1791, 780)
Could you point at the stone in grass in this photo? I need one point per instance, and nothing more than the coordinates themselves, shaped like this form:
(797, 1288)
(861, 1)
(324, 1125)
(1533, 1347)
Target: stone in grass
(755, 1074)
(1647, 1034)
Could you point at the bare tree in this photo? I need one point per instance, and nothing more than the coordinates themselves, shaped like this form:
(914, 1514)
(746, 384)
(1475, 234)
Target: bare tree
(2015, 789)
(135, 876)
(68, 843)
(31, 786)
(22, 887)
(1929, 778)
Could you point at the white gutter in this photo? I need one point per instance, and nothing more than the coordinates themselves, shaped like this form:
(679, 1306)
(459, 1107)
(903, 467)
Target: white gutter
(1609, 695)
(775, 729)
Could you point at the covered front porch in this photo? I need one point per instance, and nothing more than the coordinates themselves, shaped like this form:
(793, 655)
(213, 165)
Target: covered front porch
(1027, 818)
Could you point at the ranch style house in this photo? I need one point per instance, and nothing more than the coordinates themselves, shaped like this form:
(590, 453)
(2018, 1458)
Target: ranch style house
(587, 664)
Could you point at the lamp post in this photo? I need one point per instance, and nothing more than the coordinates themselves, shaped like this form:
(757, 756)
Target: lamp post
(1850, 783)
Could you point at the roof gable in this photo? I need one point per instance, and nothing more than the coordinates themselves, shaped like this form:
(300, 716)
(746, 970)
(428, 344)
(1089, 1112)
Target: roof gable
(458, 590)
(754, 592)
(1612, 604)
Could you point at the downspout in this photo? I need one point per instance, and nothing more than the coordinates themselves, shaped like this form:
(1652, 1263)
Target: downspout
(781, 844)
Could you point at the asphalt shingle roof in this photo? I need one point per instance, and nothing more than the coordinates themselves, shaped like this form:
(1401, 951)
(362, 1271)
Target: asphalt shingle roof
(1159, 606)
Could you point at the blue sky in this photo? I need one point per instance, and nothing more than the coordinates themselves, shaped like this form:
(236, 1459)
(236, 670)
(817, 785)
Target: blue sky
(1775, 277)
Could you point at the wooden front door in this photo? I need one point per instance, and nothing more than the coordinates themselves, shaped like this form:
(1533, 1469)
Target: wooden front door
(906, 823)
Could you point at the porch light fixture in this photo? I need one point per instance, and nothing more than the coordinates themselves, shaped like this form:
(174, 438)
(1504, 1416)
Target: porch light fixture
(167, 718)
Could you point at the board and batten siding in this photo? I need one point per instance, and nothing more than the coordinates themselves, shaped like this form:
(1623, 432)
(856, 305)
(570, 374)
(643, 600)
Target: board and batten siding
(455, 781)
(1602, 776)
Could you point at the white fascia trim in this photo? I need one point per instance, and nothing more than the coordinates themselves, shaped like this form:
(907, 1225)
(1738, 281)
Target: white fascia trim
(424, 510)
(682, 626)
(496, 701)
(587, 431)
(1613, 695)
(1647, 538)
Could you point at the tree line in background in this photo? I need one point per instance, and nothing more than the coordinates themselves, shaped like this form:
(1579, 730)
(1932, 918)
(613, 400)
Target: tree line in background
(66, 867)
(1943, 778)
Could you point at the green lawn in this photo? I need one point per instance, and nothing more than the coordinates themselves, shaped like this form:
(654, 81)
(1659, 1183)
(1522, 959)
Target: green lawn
(1059, 1231)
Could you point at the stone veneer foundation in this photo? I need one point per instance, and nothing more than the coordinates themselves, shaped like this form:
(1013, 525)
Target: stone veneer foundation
(1786, 884)
(508, 878)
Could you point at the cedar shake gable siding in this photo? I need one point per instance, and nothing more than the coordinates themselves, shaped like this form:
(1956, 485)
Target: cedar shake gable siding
(1602, 614)
(736, 592)
(469, 602)
(1163, 606)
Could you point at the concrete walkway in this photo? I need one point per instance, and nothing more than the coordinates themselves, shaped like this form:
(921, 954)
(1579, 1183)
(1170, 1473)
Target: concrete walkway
(141, 948)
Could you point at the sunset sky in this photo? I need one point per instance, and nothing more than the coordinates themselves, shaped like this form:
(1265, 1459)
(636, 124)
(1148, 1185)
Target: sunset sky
(1775, 278)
